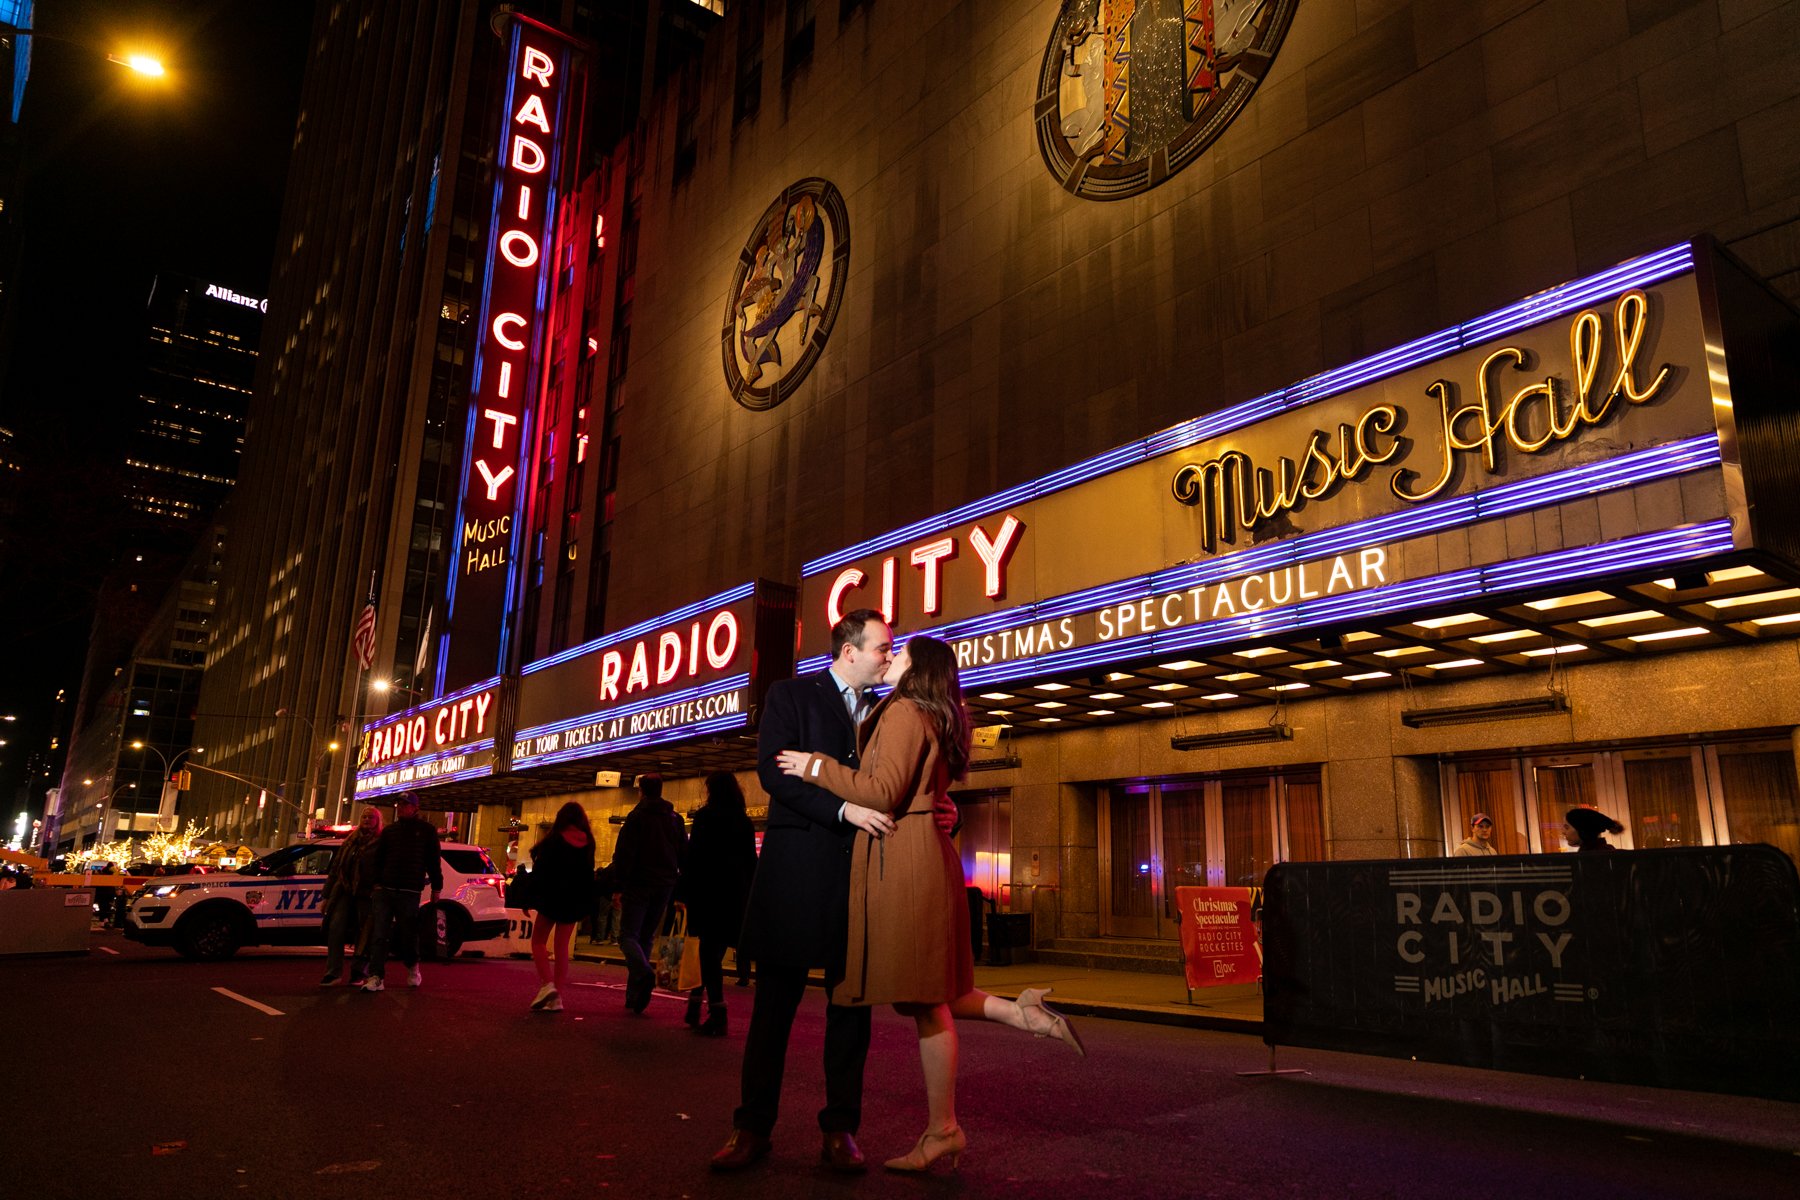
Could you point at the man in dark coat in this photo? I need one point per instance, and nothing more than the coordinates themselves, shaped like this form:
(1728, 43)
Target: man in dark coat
(646, 864)
(799, 908)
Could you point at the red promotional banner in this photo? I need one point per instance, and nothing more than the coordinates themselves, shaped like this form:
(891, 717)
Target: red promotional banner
(1220, 942)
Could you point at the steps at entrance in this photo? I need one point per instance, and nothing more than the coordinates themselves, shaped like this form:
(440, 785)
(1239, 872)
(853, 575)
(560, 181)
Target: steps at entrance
(1113, 954)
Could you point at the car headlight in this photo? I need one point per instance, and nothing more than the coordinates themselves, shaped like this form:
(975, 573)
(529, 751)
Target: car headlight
(168, 889)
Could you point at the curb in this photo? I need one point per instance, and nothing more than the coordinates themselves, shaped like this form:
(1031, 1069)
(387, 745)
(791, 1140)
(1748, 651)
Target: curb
(1106, 1010)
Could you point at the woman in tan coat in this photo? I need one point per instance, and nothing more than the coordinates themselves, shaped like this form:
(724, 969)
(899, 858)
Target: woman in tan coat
(909, 919)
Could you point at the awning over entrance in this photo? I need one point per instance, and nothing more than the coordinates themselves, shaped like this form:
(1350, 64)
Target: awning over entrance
(1598, 471)
(676, 694)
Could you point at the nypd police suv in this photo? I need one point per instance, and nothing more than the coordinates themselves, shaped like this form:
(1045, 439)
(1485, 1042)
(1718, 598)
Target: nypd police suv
(278, 900)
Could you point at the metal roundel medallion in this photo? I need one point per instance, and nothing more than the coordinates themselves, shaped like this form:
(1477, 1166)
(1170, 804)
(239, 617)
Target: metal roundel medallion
(1132, 91)
(785, 293)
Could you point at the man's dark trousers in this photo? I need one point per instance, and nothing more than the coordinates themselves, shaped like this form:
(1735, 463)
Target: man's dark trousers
(779, 990)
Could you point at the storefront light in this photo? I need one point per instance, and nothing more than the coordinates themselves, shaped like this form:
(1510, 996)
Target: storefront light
(1401, 651)
(1107, 696)
(1662, 635)
(1050, 704)
(1619, 619)
(1728, 574)
(1370, 675)
(1237, 676)
(1051, 687)
(1571, 648)
(996, 696)
(1167, 687)
(1117, 677)
(1290, 687)
(1508, 635)
(1317, 664)
(1186, 664)
(1257, 652)
(1456, 664)
(1102, 712)
(1567, 601)
(1221, 696)
(1783, 619)
(1157, 704)
(1755, 598)
(1449, 622)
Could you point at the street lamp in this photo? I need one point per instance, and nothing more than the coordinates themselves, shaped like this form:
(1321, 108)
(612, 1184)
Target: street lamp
(312, 772)
(168, 769)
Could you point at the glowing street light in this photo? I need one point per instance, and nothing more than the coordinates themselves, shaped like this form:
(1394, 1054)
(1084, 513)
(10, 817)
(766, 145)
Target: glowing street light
(143, 64)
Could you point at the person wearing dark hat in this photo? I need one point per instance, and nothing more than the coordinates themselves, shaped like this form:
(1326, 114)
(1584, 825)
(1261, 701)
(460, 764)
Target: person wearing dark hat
(1480, 841)
(1585, 830)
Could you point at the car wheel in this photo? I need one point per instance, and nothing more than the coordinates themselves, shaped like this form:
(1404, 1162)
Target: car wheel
(208, 937)
(450, 932)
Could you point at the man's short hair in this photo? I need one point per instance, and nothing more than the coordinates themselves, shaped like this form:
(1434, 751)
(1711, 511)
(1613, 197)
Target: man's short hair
(850, 630)
(650, 786)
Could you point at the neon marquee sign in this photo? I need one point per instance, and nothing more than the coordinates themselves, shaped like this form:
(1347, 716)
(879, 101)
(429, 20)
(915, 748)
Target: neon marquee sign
(508, 361)
(1092, 563)
(683, 674)
(448, 739)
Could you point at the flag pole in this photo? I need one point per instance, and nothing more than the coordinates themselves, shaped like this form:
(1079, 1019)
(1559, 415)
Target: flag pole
(353, 735)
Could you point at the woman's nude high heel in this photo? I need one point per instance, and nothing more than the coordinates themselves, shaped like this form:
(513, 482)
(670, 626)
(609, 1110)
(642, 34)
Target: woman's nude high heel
(1043, 1021)
(931, 1147)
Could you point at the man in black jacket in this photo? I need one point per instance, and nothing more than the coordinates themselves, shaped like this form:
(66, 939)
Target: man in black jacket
(406, 856)
(799, 912)
(646, 864)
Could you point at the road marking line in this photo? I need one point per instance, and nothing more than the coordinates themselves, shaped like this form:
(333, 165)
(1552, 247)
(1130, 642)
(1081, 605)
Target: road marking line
(106, 950)
(259, 1007)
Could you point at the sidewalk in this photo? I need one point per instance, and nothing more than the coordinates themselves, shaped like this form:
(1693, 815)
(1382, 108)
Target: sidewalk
(1080, 991)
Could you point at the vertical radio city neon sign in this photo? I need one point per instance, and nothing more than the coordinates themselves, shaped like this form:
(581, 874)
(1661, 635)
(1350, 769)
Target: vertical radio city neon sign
(508, 361)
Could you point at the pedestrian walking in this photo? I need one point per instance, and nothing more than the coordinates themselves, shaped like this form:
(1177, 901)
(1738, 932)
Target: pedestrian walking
(647, 862)
(908, 940)
(406, 858)
(561, 893)
(349, 883)
(715, 885)
(1585, 830)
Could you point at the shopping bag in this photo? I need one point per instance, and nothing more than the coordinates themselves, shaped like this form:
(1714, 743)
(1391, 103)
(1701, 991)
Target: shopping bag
(667, 952)
(689, 977)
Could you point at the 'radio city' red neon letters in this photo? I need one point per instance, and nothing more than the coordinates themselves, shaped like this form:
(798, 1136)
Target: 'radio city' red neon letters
(508, 331)
(929, 558)
(507, 381)
(719, 645)
(446, 727)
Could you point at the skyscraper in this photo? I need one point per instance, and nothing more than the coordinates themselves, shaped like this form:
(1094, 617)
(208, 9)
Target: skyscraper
(200, 364)
(362, 414)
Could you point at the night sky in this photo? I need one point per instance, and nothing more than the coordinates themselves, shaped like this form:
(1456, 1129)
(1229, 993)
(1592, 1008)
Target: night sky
(122, 178)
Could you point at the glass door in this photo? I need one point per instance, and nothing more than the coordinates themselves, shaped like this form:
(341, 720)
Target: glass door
(1129, 863)
(1220, 832)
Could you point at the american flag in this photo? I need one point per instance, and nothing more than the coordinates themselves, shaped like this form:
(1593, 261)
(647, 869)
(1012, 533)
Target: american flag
(363, 640)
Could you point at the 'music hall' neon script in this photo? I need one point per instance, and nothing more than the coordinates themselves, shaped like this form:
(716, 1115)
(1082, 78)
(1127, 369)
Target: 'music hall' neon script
(1233, 492)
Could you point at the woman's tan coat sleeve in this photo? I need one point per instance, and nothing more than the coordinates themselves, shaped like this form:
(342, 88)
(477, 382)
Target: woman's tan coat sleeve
(891, 762)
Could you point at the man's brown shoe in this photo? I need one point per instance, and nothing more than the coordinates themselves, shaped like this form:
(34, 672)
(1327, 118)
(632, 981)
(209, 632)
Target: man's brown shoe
(841, 1153)
(740, 1150)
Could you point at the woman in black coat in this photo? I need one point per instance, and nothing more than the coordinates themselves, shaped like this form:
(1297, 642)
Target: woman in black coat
(715, 884)
(561, 892)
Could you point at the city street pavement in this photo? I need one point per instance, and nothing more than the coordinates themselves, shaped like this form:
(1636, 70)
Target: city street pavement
(136, 1073)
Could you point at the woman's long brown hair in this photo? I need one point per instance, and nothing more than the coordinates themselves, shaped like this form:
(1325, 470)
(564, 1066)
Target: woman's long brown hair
(931, 682)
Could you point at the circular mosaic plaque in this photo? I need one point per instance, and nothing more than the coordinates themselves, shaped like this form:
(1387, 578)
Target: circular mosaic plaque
(1132, 91)
(785, 293)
